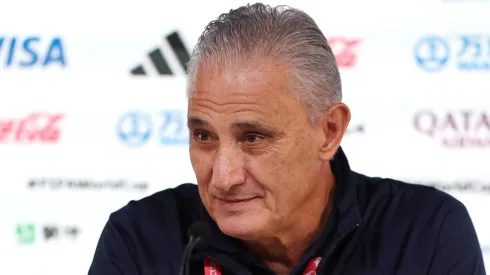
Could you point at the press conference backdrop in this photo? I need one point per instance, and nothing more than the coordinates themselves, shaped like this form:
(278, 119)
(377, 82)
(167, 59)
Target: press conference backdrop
(93, 110)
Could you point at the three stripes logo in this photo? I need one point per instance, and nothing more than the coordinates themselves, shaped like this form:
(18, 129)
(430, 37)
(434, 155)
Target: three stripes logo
(160, 63)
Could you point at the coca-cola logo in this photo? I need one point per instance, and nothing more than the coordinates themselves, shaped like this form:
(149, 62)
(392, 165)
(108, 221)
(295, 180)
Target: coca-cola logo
(345, 50)
(37, 127)
(455, 129)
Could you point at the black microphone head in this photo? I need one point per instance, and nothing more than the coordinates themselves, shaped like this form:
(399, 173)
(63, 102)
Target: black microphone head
(199, 229)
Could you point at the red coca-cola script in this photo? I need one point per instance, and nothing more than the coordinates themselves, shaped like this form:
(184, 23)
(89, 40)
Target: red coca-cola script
(37, 127)
(345, 50)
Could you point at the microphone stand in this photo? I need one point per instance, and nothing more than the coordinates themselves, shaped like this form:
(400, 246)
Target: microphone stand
(184, 267)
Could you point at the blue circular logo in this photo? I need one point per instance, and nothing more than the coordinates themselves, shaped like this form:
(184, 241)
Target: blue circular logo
(432, 53)
(134, 128)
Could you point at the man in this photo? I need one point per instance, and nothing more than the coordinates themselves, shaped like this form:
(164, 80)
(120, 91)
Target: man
(266, 121)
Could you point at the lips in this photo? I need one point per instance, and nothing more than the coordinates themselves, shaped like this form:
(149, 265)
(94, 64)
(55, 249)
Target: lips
(232, 206)
(233, 201)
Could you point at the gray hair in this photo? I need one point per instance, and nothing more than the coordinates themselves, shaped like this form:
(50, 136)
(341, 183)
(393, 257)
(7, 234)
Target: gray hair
(282, 32)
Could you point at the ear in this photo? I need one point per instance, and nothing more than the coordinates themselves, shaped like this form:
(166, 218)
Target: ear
(334, 124)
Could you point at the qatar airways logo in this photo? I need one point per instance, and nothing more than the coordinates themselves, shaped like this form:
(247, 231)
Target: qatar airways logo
(455, 129)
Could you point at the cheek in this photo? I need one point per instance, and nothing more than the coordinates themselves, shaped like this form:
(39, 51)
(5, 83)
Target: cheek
(272, 173)
(284, 174)
(203, 170)
(202, 165)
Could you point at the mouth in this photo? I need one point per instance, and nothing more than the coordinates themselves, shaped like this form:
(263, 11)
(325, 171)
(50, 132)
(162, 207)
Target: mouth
(231, 201)
(235, 202)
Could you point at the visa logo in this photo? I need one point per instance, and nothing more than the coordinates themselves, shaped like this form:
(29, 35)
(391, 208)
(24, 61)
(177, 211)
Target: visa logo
(32, 51)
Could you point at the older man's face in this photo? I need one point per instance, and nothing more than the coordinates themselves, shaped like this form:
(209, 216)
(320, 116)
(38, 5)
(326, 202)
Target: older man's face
(252, 148)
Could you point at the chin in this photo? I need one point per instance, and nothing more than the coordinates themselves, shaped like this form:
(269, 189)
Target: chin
(242, 226)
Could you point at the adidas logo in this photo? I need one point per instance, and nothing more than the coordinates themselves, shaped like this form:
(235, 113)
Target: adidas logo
(179, 57)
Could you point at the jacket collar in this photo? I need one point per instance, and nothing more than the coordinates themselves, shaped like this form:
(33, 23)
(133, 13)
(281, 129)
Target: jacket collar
(346, 202)
(346, 207)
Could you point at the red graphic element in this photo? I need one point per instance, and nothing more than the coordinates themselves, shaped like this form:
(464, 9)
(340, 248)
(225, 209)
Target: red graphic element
(456, 129)
(211, 267)
(344, 50)
(37, 127)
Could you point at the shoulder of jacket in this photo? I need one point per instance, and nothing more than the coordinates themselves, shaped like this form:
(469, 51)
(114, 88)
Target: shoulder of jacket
(404, 192)
(420, 198)
(179, 203)
(391, 186)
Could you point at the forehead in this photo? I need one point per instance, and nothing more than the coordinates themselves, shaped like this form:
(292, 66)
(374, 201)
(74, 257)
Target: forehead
(255, 84)
(253, 76)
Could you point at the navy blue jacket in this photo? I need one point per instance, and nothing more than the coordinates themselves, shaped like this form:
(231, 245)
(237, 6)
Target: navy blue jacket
(379, 227)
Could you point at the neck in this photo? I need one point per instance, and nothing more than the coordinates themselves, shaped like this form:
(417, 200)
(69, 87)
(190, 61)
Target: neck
(283, 252)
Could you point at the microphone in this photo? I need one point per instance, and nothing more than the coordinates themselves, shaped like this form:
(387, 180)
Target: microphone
(197, 232)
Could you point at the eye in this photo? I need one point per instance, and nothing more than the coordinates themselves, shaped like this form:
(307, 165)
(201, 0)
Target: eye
(251, 138)
(201, 136)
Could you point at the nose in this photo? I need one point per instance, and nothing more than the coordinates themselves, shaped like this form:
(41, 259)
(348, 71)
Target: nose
(228, 169)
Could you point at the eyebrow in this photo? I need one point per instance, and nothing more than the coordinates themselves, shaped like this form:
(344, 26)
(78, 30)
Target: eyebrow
(195, 122)
(246, 125)
(250, 125)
